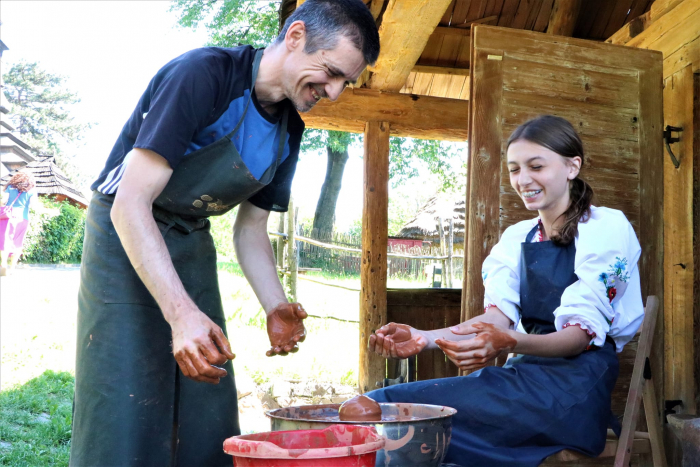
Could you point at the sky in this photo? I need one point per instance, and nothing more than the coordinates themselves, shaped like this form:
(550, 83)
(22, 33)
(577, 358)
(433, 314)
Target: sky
(109, 51)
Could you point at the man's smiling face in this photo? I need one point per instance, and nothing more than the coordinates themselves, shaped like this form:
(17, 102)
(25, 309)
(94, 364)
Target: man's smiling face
(322, 74)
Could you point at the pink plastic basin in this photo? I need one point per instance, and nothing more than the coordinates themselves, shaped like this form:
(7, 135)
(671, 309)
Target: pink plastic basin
(337, 446)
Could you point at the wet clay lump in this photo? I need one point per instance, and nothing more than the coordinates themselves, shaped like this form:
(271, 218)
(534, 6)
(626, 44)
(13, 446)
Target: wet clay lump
(360, 409)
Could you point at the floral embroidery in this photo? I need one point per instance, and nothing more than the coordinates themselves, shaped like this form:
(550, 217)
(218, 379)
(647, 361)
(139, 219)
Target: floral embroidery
(615, 279)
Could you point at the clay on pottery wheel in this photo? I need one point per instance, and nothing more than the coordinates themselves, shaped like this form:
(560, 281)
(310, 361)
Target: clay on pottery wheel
(360, 409)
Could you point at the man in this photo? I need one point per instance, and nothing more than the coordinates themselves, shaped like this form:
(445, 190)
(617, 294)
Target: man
(215, 128)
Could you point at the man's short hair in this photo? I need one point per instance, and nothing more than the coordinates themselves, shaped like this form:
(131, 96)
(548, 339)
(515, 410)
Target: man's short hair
(327, 20)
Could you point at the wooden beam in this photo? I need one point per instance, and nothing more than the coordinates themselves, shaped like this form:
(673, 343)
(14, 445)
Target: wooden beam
(441, 70)
(376, 8)
(630, 30)
(405, 30)
(562, 19)
(678, 244)
(373, 269)
(443, 31)
(408, 115)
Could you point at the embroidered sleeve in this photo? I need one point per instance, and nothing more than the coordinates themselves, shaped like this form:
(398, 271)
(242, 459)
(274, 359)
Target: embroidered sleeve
(606, 265)
(501, 275)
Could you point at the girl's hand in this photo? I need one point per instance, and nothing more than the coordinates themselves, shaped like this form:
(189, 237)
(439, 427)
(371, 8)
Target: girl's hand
(396, 340)
(489, 343)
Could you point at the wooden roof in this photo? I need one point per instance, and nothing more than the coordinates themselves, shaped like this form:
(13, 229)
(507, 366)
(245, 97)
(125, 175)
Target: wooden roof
(424, 225)
(448, 45)
(50, 180)
(425, 52)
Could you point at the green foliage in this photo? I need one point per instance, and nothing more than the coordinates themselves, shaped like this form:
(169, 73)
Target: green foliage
(222, 232)
(41, 112)
(231, 22)
(55, 238)
(35, 421)
(441, 158)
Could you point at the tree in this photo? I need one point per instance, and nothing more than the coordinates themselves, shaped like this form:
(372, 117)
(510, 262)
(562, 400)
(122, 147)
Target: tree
(257, 23)
(41, 111)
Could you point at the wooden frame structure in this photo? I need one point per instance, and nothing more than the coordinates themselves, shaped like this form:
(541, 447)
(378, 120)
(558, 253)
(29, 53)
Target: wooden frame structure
(420, 87)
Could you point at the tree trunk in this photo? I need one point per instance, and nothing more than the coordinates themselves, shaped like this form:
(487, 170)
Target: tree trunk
(324, 218)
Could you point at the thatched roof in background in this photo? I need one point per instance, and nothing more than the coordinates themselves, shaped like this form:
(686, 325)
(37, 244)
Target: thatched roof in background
(50, 180)
(424, 225)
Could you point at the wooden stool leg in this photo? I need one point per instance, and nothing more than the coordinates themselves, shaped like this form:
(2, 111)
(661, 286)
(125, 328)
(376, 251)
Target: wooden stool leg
(653, 424)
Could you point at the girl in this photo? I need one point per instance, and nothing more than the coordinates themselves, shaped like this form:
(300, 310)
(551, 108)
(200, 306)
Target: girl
(20, 196)
(569, 279)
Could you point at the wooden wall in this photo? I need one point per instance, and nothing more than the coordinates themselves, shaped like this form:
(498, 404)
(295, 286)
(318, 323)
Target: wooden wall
(426, 309)
(673, 27)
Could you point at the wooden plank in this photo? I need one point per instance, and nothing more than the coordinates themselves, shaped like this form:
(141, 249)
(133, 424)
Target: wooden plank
(403, 39)
(587, 17)
(494, 8)
(667, 25)
(440, 70)
(524, 15)
(484, 164)
(618, 17)
(630, 30)
(408, 115)
(653, 415)
(651, 231)
(687, 55)
(544, 16)
(582, 52)
(602, 19)
(687, 30)
(696, 237)
(510, 7)
(373, 275)
(476, 11)
(661, 7)
(459, 16)
(678, 245)
(376, 8)
(447, 17)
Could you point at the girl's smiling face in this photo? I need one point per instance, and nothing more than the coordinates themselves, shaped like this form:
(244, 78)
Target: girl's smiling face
(541, 177)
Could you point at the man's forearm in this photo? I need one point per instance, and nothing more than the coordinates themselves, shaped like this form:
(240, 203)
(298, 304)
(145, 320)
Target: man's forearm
(146, 249)
(257, 261)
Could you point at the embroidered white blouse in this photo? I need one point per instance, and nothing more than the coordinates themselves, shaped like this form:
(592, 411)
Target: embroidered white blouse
(606, 299)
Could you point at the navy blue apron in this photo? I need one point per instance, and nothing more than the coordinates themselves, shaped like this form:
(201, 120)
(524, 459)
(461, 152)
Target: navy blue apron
(133, 406)
(532, 407)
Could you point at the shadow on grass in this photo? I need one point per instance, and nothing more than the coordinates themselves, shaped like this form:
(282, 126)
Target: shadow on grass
(35, 421)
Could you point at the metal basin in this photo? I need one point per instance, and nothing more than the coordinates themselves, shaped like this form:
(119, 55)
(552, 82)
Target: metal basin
(416, 434)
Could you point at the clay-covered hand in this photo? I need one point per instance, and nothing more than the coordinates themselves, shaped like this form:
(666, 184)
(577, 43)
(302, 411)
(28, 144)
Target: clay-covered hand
(396, 340)
(285, 327)
(198, 345)
(489, 343)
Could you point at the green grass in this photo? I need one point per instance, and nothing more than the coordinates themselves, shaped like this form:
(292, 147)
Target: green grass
(35, 421)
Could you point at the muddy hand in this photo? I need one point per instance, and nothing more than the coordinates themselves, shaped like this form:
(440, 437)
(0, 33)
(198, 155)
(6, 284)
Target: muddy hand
(285, 327)
(396, 340)
(198, 345)
(488, 343)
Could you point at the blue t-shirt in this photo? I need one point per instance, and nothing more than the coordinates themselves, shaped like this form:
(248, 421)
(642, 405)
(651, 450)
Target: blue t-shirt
(195, 100)
(21, 205)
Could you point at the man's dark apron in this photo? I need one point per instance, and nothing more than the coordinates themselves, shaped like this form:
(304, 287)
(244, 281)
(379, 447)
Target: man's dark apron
(532, 407)
(132, 404)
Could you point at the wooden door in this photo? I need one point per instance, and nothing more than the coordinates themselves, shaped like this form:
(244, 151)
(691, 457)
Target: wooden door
(613, 97)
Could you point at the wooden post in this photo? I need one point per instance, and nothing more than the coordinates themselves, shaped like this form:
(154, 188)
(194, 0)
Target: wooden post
(291, 254)
(373, 272)
(280, 242)
(450, 251)
(562, 20)
(678, 244)
(443, 252)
